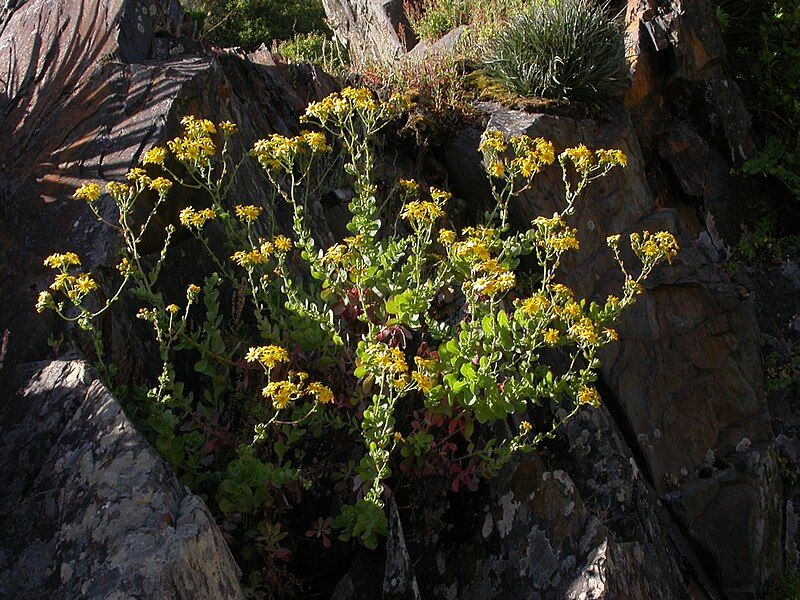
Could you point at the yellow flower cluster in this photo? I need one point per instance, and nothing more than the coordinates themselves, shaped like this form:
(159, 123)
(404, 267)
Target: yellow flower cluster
(267, 356)
(279, 152)
(338, 105)
(531, 155)
(75, 287)
(284, 393)
(586, 161)
(583, 158)
(155, 156)
(196, 147)
(425, 375)
(262, 254)
(248, 213)
(320, 392)
(88, 192)
(535, 305)
(138, 176)
(62, 261)
(409, 187)
(422, 213)
(228, 128)
(587, 395)
(584, 331)
(652, 247)
(611, 158)
(196, 219)
(555, 234)
(494, 279)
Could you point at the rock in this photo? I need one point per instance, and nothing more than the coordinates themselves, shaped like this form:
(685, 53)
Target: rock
(90, 509)
(373, 30)
(399, 582)
(447, 44)
(686, 375)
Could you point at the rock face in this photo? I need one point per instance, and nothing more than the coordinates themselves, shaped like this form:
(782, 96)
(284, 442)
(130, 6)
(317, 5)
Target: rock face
(670, 491)
(371, 29)
(90, 510)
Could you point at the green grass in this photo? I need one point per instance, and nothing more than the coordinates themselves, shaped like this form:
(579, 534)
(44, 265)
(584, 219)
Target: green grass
(562, 50)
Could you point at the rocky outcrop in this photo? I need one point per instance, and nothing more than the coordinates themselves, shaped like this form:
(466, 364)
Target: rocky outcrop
(372, 30)
(685, 381)
(89, 508)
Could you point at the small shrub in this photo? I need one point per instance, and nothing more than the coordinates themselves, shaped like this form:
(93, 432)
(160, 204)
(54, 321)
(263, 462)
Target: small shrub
(250, 23)
(315, 48)
(566, 50)
(431, 19)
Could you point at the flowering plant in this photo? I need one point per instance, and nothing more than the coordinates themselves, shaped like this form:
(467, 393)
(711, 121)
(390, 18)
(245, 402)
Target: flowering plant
(415, 317)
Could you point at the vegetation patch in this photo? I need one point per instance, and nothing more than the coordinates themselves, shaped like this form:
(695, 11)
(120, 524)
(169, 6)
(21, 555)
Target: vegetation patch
(300, 383)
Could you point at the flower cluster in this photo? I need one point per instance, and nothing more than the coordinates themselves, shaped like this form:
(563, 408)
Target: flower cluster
(383, 362)
(248, 213)
(267, 356)
(279, 153)
(529, 157)
(196, 147)
(263, 252)
(75, 287)
(196, 219)
(650, 247)
(296, 386)
(88, 192)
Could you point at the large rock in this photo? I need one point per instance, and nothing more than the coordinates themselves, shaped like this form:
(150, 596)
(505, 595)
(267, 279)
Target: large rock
(89, 509)
(87, 86)
(372, 30)
(686, 377)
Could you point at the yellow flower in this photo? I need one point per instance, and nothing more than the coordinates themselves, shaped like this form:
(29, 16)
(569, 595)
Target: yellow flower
(282, 243)
(551, 337)
(424, 381)
(421, 212)
(525, 427)
(61, 261)
(440, 196)
(228, 128)
(88, 192)
(611, 334)
(248, 213)
(409, 187)
(282, 393)
(44, 302)
(581, 157)
(611, 158)
(173, 308)
(447, 237)
(119, 191)
(534, 305)
(321, 393)
(584, 331)
(161, 185)
(497, 169)
(316, 141)
(62, 281)
(196, 219)
(587, 395)
(492, 141)
(137, 174)
(268, 356)
(155, 156)
(85, 284)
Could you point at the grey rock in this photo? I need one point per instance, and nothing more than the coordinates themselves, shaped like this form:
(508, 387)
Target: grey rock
(94, 512)
(372, 30)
